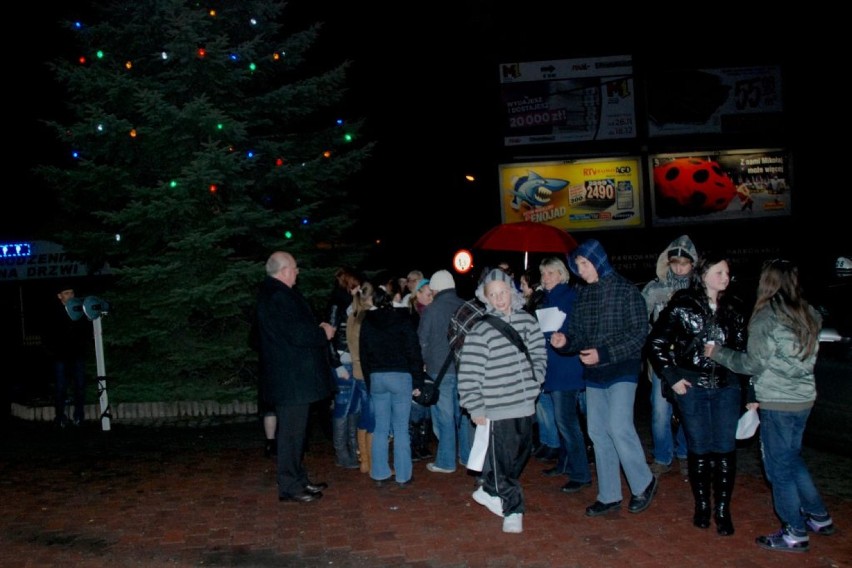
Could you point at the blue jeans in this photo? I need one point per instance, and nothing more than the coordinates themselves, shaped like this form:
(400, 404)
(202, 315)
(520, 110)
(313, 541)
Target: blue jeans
(793, 491)
(344, 397)
(617, 445)
(710, 418)
(362, 404)
(547, 433)
(666, 444)
(447, 424)
(572, 459)
(76, 368)
(391, 395)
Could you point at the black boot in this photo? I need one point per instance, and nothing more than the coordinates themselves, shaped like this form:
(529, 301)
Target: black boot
(425, 437)
(414, 436)
(700, 472)
(352, 431)
(271, 448)
(723, 486)
(340, 439)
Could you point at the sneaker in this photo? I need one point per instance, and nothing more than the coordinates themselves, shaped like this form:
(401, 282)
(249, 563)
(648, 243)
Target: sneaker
(598, 508)
(639, 503)
(491, 502)
(435, 469)
(660, 468)
(784, 540)
(514, 523)
(819, 524)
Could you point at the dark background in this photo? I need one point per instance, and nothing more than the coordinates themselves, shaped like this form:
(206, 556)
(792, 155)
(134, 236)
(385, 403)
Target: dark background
(425, 77)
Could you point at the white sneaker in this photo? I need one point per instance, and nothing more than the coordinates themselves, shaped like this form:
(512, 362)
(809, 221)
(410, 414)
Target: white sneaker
(435, 469)
(514, 523)
(491, 502)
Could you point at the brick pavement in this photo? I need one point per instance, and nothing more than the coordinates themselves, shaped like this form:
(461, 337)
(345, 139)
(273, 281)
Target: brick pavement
(202, 494)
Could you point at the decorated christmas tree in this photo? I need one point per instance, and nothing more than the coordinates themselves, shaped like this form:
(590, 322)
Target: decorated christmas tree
(200, 139)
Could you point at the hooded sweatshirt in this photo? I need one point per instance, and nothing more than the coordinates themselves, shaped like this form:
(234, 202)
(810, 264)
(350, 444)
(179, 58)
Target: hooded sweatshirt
(659, 291)
(610, 316)
(495, 379)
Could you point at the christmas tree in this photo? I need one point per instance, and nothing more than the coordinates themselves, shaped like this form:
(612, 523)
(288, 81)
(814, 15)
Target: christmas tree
(200, 140)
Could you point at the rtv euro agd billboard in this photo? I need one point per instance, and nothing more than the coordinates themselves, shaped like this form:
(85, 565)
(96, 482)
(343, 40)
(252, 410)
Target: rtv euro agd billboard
(600, 193)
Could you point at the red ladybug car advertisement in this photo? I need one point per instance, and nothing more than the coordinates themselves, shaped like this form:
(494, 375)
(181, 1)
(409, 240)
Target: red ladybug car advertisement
(714, 186)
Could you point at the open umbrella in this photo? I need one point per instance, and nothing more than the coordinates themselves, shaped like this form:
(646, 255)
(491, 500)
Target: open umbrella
(527, 237)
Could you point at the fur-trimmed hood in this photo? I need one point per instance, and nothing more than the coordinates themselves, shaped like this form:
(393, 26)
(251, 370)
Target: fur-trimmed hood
(681, 246)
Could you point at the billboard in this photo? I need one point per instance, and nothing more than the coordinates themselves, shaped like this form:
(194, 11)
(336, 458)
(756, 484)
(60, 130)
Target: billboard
(700, 187)
(582, 194)
(568, 100)
(714, 101)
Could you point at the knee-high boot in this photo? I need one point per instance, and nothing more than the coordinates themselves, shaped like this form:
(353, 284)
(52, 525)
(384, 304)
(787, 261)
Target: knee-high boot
(364, 441)
(340, 439)
(700, 472)
(724, 475)
(352, 432)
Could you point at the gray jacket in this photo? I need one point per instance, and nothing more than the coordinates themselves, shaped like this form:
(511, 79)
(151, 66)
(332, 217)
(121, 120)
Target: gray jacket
(781, 379)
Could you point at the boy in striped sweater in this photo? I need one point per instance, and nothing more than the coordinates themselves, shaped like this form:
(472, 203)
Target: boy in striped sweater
(499, 385)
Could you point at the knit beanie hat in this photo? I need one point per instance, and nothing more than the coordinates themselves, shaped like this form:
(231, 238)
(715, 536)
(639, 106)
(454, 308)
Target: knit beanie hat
(441, 280)
(420, 284)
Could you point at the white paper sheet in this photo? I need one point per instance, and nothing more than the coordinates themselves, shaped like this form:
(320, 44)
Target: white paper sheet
(550, 319)
(480, 447)
(747, 424)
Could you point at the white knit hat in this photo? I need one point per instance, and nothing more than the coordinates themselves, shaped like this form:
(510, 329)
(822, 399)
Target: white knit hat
(441, 280)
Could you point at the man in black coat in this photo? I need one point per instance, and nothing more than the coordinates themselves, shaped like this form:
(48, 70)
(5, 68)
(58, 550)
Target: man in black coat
(294, 370)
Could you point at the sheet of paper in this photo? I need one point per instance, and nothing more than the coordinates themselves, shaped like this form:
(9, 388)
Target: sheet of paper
(550, 319)
(480, 447)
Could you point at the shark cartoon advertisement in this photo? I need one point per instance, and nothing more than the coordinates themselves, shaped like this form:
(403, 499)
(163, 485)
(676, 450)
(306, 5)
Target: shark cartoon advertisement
(574, 195)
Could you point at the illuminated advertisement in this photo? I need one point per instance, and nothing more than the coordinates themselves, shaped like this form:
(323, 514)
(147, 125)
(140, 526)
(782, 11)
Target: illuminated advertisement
(36, 260)
(719, 186)
(568, 100)
(717, 101)
(600, 193)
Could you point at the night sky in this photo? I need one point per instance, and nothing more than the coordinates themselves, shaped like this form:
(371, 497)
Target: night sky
(427, 81)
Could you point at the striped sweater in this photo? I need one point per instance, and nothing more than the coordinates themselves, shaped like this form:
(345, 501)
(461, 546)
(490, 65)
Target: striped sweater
(494, 378)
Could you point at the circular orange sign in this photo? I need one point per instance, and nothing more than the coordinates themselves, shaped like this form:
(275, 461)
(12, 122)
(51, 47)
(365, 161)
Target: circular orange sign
(463, 261)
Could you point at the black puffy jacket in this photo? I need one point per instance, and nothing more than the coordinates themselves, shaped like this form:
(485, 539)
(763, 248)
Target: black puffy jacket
(675, 345)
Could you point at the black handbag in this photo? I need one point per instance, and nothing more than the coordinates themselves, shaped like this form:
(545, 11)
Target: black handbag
(429, 392)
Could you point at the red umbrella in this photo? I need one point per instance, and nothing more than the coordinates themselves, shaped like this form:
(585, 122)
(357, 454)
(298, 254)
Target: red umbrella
(527, 237)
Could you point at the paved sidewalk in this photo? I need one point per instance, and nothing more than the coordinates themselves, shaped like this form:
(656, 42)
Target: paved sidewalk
(199, 492)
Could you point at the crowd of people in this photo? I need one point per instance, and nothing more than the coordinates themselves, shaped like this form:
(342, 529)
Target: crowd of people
(550, 371)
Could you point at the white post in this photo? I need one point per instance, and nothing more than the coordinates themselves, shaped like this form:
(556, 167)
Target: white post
(102, 391)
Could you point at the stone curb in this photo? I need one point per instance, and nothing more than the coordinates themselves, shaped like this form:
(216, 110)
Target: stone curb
(133, 411)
